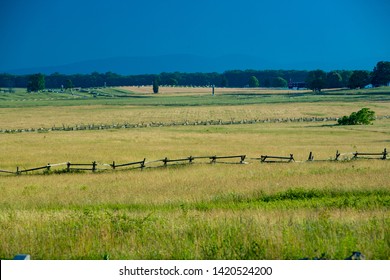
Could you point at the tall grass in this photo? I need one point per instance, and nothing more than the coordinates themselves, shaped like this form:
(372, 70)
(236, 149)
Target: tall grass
(200, 212)
(195, 234)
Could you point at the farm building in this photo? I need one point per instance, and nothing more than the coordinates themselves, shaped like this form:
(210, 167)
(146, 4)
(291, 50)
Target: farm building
(296, 85)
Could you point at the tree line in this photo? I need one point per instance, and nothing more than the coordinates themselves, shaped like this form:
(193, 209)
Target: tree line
(380, 76)
(231, 78)
(315, 80)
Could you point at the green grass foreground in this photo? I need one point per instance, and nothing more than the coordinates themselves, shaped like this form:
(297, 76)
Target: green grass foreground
(319, 224)
(268, 216)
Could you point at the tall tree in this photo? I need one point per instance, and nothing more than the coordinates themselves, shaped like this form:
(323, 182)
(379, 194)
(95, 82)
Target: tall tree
(381, 74)
(68, 84)
(36, 82)
(279, 82)
(333, 80)
(155, 85)
(253, 82)
(316, 80)
(345, 75)
(224, 81)
(359, 79)
(172, 82)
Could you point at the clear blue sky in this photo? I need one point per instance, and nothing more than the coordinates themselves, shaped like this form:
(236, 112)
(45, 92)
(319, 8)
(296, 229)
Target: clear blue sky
(300, 34)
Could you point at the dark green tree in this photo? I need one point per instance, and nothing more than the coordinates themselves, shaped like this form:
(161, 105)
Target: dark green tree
(68, 84)
(316, 80)
(381, 74)
(253, 82)
(279, 82)
(364, 116)
(359, 79)
(172, 82)
(345, 75)
(224, 81)
(36, 82)
(334, 80)
(155, 86)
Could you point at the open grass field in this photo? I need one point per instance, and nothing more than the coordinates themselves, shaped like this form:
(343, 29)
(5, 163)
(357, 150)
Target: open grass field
(321, 209)
(207, 90)
(136, 105)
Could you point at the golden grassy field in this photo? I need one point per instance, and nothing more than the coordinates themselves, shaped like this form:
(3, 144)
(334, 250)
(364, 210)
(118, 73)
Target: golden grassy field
(207, 90)
(178, 104)
(200, 211)
(125, 145)
(57, 116)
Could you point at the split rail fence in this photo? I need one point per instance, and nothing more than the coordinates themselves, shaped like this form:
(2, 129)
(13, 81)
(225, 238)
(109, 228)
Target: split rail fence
(95, 166)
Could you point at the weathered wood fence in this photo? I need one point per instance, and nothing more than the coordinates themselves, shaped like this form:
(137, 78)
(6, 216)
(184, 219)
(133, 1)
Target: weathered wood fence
(95, 166)
(141, 163)
(383, 154)
(277, 158)
(32, 169)
(81, 166)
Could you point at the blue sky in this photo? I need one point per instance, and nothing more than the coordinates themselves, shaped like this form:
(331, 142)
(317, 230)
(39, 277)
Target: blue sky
(288, 34)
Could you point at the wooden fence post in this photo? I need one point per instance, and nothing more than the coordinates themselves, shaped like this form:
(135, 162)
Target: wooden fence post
(113, 165)
(384, 154)
(68, 166)
(48, 167)
(291, 158)
(17, 170)
(165, 161)
(311, 157)
(143, 164)
(337, 155)
(190, 159)
(93, 166)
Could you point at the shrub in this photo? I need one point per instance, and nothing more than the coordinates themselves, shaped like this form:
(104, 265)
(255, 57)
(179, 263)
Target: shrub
(364, 116)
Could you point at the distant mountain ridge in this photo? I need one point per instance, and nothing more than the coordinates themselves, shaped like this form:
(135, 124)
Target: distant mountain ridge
(154, 65)
(188, 63)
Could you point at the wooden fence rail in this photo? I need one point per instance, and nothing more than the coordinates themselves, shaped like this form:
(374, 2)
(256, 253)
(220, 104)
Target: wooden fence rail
(141, 163)
(93, 166)
(280, 158)
(6, 171)
(167, 160)
(241, 157)
(382, 154)
(32, 169)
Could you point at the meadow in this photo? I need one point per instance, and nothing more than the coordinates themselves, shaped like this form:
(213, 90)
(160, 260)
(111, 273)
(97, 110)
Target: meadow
(321, 209)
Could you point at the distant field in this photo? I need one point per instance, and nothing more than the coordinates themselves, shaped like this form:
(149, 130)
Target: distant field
(184, 97)
(208, 90)
(58, 116)
(322, 209)
(135, 105)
